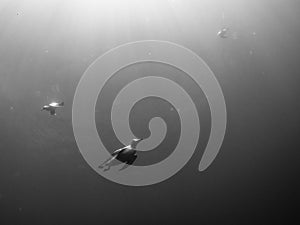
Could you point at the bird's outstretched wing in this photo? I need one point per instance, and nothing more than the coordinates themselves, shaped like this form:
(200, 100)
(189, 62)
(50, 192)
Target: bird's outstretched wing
(118, 151)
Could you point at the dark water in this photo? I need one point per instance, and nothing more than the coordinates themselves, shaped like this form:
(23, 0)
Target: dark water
(45, 47)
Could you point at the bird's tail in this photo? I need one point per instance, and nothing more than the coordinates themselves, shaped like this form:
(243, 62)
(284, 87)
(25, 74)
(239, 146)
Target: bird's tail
(61, 104)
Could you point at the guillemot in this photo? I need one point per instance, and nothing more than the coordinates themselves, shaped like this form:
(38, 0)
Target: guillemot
(223, 32)
(125, 155)
(52, 107)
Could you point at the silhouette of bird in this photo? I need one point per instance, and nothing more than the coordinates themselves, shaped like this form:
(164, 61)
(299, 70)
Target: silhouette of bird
(223, 32)
(52, 107)
(126, 155)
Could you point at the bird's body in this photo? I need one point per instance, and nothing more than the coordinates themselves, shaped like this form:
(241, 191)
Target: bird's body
(124, 153)
(56, 104)
(127, 154)
(223, 32)
(52, 107)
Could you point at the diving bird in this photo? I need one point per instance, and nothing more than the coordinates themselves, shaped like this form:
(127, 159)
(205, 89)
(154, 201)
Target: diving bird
(223, 32)
(52, 107)
(126, 155)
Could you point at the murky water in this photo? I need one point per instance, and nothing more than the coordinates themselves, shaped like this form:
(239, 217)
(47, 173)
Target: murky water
(45, 48)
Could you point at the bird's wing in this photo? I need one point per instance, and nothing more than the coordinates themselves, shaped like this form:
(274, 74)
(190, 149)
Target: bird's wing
(52, 111)
(118, 151)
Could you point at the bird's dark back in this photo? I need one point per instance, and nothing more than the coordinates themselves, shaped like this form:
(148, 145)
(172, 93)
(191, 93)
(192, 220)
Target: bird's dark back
(126, 154)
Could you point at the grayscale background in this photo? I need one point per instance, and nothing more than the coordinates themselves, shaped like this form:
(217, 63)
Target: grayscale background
(45, 47)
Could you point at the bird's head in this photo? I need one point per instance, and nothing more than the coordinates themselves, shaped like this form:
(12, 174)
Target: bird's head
(135, 142)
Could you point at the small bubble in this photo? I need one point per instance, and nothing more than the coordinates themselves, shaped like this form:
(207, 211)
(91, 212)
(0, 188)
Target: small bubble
(46, 51)
(251, 52)
(149, 53)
